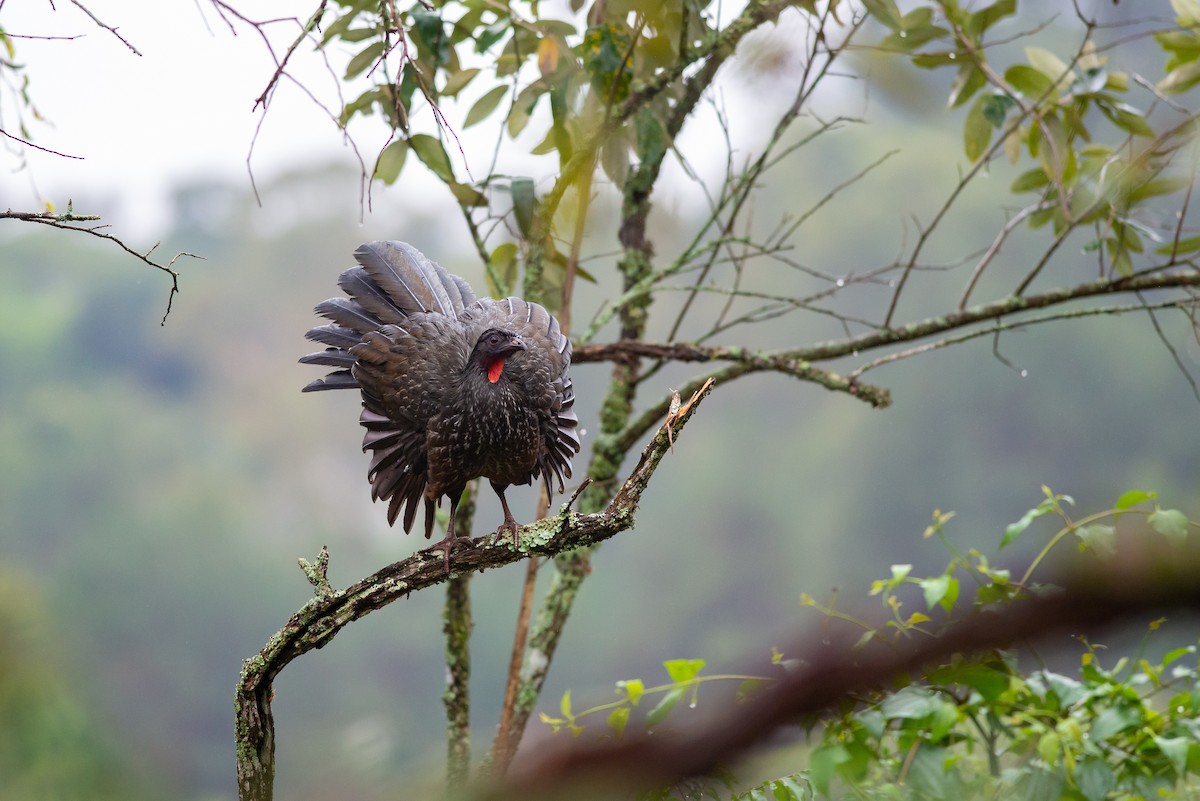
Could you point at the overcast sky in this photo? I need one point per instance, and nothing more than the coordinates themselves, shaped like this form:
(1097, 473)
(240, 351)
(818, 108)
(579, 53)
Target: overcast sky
(182, 109)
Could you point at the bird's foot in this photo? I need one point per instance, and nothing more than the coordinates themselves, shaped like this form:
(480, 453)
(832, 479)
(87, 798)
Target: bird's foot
(446, 545)
(509, 526)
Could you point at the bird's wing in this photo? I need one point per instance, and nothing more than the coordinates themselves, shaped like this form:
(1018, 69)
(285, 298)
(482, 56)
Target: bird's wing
(544, 368)
(393, 282)
(405, 372)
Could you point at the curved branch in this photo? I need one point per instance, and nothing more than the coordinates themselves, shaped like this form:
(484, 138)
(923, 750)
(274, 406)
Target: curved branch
(64, 222)
(319, 620)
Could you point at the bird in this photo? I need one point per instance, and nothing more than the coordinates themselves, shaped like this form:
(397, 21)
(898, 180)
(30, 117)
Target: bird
(453, 388)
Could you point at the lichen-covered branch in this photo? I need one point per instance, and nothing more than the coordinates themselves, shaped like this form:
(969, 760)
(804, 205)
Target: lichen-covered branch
(456, 626)
(316, 623)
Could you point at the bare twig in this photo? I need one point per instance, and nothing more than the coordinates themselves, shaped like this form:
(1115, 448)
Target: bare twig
(111, 29)
(27, 143)
(64, 222)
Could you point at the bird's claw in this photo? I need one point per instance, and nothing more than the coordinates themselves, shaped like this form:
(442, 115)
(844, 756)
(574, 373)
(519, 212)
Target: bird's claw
(446, 546)
(510, 526)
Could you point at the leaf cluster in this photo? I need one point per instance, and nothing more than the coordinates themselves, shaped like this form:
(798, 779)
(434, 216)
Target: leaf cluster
(978, 725)
(1050, 108)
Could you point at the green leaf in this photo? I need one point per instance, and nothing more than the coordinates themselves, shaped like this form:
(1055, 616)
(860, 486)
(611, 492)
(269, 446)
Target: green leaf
(1030, 180)
(359, 105)
(431, 153)
(1028, 81)
(1129, 120)
(1187, 12)
(989, 682)
(886, 12)
(614, 159)
(618, 719)
(936, 590)
(523, 200)
(467, 195)
(1175, 749)
(1048, 64)
(650, 135)
(1189, 244)
(564, 705)
(942, 720)
(1132, 498)
(977, 131)
(501, 276)
(1113, 720)
(633, 690)
(995, 108)
(910, 703)
(1171, 523)
(458, 80)
(364, 59)
(986, 17)
(969, 80)
(1094, 778)
(522, 108)
(492, 34)
(1099, 537)
(1015, 530)
(391, 161)
(1156, 187)
(485, 105)
(823, 765)
(663, 708)
(683, 670)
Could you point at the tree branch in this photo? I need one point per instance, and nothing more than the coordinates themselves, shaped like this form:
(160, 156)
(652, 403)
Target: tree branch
(64, 222)
(319, 620)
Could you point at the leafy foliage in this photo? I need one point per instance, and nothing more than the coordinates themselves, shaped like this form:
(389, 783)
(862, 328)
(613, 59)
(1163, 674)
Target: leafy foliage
(978, 726)
(1051, 108)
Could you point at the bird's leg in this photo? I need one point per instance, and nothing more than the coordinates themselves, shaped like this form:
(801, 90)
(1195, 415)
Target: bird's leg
(451, 539)
(510, 523)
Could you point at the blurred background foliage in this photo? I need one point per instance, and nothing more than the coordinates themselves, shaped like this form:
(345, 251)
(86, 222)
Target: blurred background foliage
(158, 483)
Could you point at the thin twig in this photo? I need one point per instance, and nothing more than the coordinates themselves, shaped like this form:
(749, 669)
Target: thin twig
(108, 28)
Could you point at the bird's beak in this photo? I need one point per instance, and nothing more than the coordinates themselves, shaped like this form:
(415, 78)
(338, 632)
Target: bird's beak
(518, 344)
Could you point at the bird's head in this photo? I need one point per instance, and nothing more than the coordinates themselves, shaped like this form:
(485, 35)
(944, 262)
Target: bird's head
(492, 348)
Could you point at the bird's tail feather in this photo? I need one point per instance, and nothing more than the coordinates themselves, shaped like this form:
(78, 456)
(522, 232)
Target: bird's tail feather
(393, 280)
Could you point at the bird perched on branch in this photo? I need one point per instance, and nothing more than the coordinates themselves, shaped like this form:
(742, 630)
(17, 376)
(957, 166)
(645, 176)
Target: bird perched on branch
(453, 388)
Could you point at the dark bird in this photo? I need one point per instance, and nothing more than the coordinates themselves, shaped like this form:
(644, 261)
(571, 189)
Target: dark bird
(453, 388)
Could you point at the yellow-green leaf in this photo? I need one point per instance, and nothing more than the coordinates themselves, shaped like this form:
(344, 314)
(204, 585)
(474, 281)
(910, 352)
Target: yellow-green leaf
(501, 273)
(885, 11)
(1048, 64)
(485, 106)
(457, 80)
(431, 153)
(467, 195)
(391, 161)
(523, 200)
(977, 131)
(364, 59)
(1181, 78)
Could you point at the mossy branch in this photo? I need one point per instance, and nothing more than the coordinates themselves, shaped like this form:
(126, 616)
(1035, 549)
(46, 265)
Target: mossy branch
(320, 620)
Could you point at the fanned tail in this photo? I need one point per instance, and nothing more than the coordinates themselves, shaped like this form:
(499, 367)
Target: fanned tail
(393, 281)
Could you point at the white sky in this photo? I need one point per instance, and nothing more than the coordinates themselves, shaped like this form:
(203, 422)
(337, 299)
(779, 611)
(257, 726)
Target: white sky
(182, 109)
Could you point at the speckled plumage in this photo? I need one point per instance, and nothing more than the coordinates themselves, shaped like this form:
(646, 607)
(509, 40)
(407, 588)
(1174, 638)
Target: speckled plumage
(418, 345)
